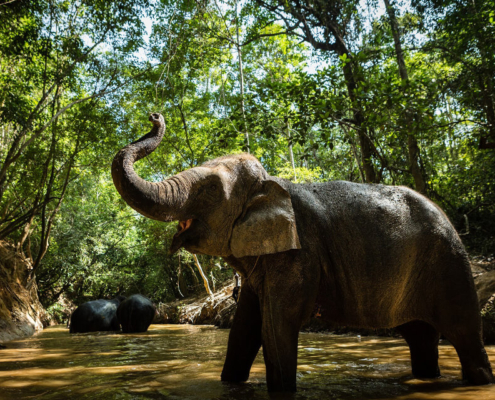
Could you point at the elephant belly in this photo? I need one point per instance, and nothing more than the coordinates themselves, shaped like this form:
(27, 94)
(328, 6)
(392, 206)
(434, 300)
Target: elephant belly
(351, 314)
(377, 302)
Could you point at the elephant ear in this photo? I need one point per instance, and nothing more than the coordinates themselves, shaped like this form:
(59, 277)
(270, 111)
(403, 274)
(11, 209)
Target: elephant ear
(267, 224)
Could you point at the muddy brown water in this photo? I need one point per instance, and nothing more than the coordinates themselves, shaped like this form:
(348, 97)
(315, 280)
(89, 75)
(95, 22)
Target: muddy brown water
(185, 361)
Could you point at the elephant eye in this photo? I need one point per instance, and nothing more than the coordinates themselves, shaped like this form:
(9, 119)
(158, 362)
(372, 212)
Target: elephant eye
(213, 187)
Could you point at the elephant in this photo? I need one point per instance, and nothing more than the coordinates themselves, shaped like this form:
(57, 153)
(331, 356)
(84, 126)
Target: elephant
(96, 315)
(370, 255)
(135, 314)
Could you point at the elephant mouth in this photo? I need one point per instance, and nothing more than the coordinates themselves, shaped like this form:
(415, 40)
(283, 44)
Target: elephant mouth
(179, 239)
(183, 226)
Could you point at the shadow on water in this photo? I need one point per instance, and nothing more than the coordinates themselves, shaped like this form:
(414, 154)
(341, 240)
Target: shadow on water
(185, 361)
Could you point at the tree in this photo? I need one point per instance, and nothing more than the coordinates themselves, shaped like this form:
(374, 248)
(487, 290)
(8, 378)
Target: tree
(57, 60)
(463, 32)
(327, 26)
(409, 124)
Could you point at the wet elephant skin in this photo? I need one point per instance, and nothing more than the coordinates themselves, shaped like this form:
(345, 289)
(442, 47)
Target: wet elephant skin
(96, 315)
(135, 314)
(370, 256)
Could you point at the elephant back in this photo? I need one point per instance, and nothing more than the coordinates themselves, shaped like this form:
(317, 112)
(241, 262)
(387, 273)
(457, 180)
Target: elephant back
(135, 314)
(93, 316)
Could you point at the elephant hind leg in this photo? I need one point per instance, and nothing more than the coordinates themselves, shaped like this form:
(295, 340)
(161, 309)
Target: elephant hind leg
(422, 339)
(476, 369)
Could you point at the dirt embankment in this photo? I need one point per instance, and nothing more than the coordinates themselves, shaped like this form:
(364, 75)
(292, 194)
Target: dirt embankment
(219, 309)
(201, 309)
(21, 313)
(484, 279)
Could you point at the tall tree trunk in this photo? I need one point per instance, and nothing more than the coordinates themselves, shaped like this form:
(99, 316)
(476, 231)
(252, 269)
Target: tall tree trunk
(241, 80)
(291, 153)
(359, 119)
(412, 143)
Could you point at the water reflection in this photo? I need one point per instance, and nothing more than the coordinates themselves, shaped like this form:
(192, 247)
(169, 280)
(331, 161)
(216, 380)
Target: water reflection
(185, 361)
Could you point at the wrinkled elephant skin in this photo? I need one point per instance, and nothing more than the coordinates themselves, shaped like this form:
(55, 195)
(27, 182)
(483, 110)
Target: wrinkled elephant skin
(370, 256)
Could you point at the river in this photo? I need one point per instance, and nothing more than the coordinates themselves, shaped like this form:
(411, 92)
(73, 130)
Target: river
(185, 361)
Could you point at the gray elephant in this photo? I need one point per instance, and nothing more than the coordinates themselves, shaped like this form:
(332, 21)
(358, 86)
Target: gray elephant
(136, 313)
(96, 315)
(372, 256)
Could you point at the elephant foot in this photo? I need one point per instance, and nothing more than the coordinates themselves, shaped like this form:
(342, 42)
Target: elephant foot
(282, 389)
(478, 376)
(426, 372)
(422, 339)
(476, 369)
(234, 377)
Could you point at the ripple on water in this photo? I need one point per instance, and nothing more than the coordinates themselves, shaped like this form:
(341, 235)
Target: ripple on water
(185, 362)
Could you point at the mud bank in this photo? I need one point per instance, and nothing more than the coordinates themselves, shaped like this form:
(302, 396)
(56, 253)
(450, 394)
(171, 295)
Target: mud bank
(21, 313)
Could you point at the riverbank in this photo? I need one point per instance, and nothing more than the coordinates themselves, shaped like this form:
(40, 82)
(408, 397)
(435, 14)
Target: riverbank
(200, 309)
(21, 313)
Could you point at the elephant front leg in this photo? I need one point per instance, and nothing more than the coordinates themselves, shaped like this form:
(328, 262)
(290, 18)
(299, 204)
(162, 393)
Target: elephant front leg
(282, 319)
(244, 339)
(280, 353)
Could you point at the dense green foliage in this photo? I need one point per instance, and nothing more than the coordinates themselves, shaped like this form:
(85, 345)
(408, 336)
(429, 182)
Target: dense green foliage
(378, 92)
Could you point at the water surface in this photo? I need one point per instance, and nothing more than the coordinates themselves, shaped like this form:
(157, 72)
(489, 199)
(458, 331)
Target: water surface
(185, 362)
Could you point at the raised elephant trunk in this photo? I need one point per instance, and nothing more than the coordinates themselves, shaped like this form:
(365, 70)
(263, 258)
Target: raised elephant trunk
(157, 200)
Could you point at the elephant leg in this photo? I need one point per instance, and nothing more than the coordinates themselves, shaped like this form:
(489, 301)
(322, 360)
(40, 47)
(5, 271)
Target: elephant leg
(280, 354)
(460, 323)
(422, 339)
(244, 339)
(476, 369)
(284, 308)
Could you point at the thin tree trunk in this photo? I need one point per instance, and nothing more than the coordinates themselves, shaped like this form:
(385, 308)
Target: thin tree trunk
(193, 273)
(205, 279)
(291, 153)
(241, 80)
(47, 221)
(486, 84)
(354, 151)
(364, 141)
(412, 143)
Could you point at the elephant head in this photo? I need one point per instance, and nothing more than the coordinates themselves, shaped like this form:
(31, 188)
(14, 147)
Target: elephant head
(227, 206)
